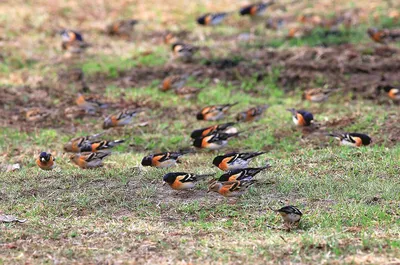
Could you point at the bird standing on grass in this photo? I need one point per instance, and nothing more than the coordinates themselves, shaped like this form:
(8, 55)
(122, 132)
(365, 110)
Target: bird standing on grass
(214, 141)
(119, 119)
(74, 145)
(384, 35)
(184, 52)
(162, 160)
(46, 161)
(122, 28)
(291, 215)
(173, 82)
(242, 173)
(230, 188)
(316, 94)
(72, 41)
(301, 117)
(211, 19)
(392, 92)
(254, 10)
(252, 114)
(90, 105)
(89, 160)
(183, 181)
(233, 161)
(219, 128)
(215, 112)
(352, 139)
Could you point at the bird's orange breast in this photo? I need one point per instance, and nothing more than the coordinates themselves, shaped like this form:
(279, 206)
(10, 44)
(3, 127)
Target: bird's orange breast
(300, 119)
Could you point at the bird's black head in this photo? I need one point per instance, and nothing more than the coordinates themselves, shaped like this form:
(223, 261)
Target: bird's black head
(170, 177)
(200, 116)
(217, 160)
(196, 134)
(366, 140)
(147, 161)
(385, 88)
(44, 157)
(202, 20)
(198, 142)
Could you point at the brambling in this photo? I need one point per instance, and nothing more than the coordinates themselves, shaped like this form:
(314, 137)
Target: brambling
(252, 114)
(242, 173)
(46, 161)
(219, 128)
(377, 35)
(290, 214)
(392, 92)
(37, 114)
(301, 117)
(230, 188)
(174, 82)
(72, 41)
(255, 9)
(89, 160)
(162, 160)
(214, 141)
(121, 118)
(187, 92)
(90, 105)
(122, 28)
(211, 19)
(233, 161)
(316, 94)
(352, 139)
(74, 145)
(173, 37)
(183, 181)
(183, 51)
(97, 146)
(215, 112)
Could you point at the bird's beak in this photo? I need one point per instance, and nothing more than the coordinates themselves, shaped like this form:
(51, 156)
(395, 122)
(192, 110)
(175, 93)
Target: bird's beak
(42, 159)
(208, 191)
(164, 183)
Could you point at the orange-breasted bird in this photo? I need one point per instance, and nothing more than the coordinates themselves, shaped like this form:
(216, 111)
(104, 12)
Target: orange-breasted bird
(74, 145)
(162, 160)
(183, 51)
(254, 9)
(90, 105)
(211, 19)
(392, 92)
(230, 188)
(214, 141)
(182, 180)
(122, 28)
(242, 173)
(215, 112)
(72, 41)
(219, 128)
(316, 94)
(121, 118)
(384, 35)
(252, 114)
(232, 161)
(173, 82)
(291, 215)
(352, 139)
(89, 160)
(97, 146)
(46, 161)
(301, 117)
(37, 114)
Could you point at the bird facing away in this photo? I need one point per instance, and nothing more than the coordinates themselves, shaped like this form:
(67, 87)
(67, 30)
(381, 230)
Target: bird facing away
(182, 180)
(252, 114)
(90, 105)
(253, 10)
(219, 128)
(230, 188)
(242, 173)
(89, 160)
(301, 117)
(74, 145)
(316, 95)
(215, 112)
(214, 141)
(161, 160)
(291, 215)
(352, 139)
(173, 82)
(392, 92)
(46, 161)
(233, 161)
(122, 28)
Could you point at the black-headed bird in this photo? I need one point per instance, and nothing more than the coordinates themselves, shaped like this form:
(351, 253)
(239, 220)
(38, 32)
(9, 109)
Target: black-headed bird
(46, 161)
(182, 180)
(352, 139)
(233, 161)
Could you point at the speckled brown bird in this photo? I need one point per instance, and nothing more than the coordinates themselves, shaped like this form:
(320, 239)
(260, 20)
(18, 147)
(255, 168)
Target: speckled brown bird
(45, 161)
(37, 114)
(89, 160)
(90, 105)
(187, 92)
(252, 114)
(215, 112)
(122, 28)
(291, 215)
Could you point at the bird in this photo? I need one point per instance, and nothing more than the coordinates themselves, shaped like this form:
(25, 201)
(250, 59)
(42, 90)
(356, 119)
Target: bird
(230, 188)
(383, 35)
(121, 118)
(89, 160)
(301, 117)
(211, 19)
(392, 92)
(252, 114)
(97, 146)
(182, 180)
(214, 141)
(215, 112)
(242, 173)
(37, 114)
(187, 92)
(46, 161)
(183, 51)
(72, 41)
(74, 145)
(352, 139)
(234, 160)
(122, 28)
(90, 105)
(254, 9)
(291, 215)
(162, 160)
(173, 82)
(316, 94)
(219, 128)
